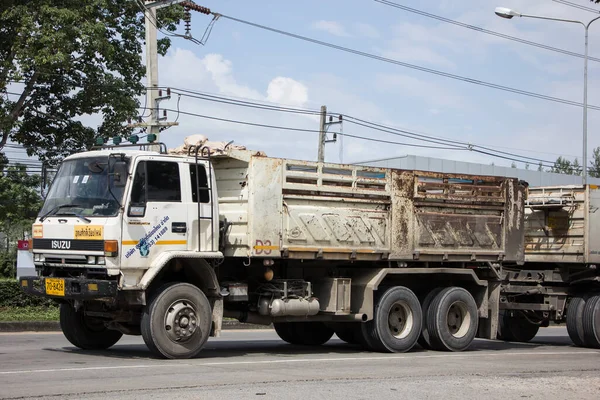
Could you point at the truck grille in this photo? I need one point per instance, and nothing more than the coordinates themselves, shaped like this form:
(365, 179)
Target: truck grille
(68, 244)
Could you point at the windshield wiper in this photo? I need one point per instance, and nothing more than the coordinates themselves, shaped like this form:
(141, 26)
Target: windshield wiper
(55, 209)
(77, 215)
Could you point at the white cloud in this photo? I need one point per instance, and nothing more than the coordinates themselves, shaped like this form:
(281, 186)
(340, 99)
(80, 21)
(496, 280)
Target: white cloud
(367, 30)
(331, 27)
(287, 91)
(516, 105)
(431, 92)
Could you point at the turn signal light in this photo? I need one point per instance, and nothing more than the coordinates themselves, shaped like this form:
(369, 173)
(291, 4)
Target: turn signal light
(30, 245)
(111, 248)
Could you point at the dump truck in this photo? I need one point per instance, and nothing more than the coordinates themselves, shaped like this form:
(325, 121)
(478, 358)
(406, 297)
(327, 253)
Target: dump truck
(139, 242)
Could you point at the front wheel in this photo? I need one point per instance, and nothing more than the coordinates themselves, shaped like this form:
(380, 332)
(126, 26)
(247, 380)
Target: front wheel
(177, 322)
(85, 332)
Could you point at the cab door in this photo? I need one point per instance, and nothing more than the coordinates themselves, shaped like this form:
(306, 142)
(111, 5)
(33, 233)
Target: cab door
(203, 217)
(155, 219)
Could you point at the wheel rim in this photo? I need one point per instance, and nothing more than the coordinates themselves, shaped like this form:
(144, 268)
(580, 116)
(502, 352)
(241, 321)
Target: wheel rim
(181, 321)
(400, 320)
(458, 319)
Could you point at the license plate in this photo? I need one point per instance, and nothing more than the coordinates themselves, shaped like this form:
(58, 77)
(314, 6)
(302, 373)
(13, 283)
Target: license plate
(55, 287)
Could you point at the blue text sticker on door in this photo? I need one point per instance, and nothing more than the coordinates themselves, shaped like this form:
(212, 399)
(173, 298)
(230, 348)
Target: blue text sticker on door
(150, 239)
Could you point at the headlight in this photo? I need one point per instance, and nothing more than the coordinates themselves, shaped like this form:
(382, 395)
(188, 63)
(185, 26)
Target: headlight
(36, 257)
(101, 261)
(91, 259)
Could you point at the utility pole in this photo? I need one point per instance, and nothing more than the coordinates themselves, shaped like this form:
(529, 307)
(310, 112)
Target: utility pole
(153, 94)
(323, 127)
(152, 71)
(322, 132)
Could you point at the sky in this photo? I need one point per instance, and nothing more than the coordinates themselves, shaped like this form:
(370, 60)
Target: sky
(244, 62)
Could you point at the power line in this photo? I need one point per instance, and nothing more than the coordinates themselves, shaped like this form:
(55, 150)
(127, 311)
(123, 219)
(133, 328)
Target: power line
(445, 143)
(571, 4)
(483, 30)
(412, 66)
(544, 163)
(461, 145)
(287, 128)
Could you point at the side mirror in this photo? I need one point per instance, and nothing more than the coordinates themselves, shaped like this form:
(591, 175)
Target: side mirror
(120, 173)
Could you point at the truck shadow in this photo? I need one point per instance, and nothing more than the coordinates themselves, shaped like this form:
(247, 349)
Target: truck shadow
(220, 349)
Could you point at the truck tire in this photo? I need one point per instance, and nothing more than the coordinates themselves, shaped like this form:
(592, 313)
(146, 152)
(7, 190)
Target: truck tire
(591, 322)
(452, 320)
(575, 320)
(515, 327)
(177, 321)
(396, 323)
(85, 332)
(303, 333)
(424, 341)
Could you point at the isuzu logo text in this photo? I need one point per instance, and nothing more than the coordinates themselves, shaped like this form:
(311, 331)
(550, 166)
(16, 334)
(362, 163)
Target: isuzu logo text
(61, 244)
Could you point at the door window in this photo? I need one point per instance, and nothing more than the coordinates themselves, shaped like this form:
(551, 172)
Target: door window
(202, 182)
(154, 181)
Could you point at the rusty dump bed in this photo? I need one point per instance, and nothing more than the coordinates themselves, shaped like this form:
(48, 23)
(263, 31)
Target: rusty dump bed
(306, 210)
(562, 224)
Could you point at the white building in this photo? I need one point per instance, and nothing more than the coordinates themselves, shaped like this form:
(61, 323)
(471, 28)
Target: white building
(532, 176)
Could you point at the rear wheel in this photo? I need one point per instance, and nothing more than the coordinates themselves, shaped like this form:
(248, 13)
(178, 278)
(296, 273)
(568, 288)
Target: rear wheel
(177, 322)
(303, 333)
(424, 340)
(347, 331)
(575, 320)
(396, 323)
(591, 322)
(514, 326)
(85, 332)
(452, 320)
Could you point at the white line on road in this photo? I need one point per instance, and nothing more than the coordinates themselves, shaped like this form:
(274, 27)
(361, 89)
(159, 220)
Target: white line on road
(305, 360)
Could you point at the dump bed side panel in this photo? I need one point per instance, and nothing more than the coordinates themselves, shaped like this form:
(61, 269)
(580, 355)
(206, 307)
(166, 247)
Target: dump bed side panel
(562, 225)
(457, 217)
(335, 211)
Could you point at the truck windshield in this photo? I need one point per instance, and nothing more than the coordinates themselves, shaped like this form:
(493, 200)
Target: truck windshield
(82, 187)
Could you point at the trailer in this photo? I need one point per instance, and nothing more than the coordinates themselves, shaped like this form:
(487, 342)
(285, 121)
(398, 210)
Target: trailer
(131, 241)
(560, 275)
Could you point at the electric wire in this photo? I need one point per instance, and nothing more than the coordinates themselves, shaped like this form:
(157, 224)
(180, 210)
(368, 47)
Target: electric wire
(360, 122)
(412, 66)
(516, 158)
(574, 5)
(483, 30)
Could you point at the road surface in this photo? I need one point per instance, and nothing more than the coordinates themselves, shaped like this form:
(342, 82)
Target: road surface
(253, 364)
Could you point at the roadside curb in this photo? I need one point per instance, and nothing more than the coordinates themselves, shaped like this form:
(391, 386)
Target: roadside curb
(51, 326)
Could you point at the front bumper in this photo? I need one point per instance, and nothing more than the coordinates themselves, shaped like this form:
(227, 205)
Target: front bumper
(74, 288)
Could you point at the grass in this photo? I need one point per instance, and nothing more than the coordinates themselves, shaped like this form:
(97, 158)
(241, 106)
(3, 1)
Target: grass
(29, 313)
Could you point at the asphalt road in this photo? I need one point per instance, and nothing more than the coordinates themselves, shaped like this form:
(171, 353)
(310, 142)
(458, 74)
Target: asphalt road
(257, 365)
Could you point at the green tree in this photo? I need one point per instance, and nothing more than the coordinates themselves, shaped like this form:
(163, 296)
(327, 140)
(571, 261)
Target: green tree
(576, 168)
(63, 59)
(594, 171)
(562, 166)
(19, 203)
